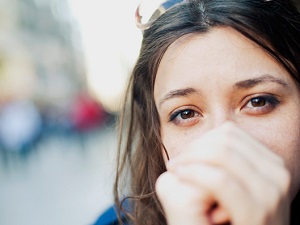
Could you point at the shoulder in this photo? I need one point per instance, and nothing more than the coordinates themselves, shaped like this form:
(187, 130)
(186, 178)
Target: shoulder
(110, 217)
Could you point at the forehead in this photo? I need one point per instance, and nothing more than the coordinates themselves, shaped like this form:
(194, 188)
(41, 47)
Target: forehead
(210, 58)
(211, 47)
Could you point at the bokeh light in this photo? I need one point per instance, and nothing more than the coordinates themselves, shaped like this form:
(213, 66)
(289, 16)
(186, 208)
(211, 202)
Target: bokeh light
(111, 42)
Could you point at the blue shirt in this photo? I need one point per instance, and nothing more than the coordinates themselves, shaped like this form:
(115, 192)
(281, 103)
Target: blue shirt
(109, 217)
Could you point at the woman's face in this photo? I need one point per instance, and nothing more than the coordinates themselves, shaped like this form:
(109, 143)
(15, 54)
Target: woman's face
(207, 79)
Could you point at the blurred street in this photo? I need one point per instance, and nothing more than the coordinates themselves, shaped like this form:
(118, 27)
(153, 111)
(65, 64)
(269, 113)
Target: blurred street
(63, 179)
(64, 65)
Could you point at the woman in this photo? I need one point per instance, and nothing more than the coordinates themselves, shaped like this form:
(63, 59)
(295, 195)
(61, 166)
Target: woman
(210, 133)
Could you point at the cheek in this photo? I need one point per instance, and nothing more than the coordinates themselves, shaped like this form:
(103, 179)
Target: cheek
(289, 150)
(172, 145)
(283, 137)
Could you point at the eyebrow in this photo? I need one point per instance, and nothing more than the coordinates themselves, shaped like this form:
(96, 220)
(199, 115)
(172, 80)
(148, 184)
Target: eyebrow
(178, 93)
(244, 84)
(249, 83)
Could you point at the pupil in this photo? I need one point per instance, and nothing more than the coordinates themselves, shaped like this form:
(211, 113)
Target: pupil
(187, 114)
(258, 102)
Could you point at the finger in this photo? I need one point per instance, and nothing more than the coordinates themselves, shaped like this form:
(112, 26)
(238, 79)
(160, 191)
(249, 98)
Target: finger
(219, 144)
(249, 173)
(219, 215)
(256, 146)
(229, 193)
(182, 204)
(236, 154)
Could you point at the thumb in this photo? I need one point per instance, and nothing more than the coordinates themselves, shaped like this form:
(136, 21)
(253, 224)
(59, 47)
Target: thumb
(182, 203)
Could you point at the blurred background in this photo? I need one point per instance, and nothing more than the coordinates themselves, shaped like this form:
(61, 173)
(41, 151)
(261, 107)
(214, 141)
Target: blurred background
(63, 69)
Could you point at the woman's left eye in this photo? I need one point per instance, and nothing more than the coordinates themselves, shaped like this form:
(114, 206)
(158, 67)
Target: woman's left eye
(261, 104)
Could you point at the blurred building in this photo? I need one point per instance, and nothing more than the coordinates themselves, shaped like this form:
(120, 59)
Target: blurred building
(40, 52)
(41, 63)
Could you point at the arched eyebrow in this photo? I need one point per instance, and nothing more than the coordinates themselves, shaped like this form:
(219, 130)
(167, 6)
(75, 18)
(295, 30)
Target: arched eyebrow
(178, 93)
(249, 83)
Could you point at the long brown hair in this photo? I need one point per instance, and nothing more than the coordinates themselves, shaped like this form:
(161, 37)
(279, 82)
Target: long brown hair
(274, 25)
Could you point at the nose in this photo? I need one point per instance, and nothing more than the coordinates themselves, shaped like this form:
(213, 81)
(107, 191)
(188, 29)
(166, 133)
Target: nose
(219, 116)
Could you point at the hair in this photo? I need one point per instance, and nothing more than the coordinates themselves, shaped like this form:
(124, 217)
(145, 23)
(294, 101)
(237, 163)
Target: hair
(274, 25)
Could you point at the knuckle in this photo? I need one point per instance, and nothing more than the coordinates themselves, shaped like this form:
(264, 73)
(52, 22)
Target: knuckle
(221, 180)
(274, 196)
(280, 160)
(272, 201)
(260, 217)
(224, 148)
(286, 180)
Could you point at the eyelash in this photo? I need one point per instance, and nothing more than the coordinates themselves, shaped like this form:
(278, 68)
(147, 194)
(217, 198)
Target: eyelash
(270, 102)
(179, 112)
(174, 117)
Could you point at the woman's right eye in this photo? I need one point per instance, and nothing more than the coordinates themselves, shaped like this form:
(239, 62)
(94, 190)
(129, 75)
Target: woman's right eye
(184, 117)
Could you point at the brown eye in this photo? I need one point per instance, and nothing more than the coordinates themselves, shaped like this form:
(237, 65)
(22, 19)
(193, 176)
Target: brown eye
(185, 117)
(258, 102)
(186, 114)
(261, 105)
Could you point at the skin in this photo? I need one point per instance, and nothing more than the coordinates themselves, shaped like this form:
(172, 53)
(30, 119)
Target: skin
(230, 117)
